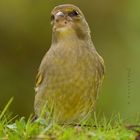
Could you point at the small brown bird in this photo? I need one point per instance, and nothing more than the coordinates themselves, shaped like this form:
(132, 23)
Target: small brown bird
(71, 72)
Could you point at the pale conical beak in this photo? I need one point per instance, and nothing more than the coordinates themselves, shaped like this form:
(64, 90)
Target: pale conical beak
(59, 16)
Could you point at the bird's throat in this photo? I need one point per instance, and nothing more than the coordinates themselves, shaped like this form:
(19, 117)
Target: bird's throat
(70, 33)
(63, 34)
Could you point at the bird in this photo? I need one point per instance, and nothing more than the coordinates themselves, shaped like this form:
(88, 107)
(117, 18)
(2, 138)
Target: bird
(71, 72)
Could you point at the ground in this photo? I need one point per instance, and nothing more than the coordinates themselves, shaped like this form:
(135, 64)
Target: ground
(14, 128)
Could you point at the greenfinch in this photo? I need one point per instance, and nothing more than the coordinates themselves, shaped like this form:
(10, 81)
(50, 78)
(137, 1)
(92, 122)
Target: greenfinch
(71, 72)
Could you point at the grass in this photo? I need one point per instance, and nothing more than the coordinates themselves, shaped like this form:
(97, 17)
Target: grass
(12, 128)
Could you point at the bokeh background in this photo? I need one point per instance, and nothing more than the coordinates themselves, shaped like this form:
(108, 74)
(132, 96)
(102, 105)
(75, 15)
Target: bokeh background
(25, 36)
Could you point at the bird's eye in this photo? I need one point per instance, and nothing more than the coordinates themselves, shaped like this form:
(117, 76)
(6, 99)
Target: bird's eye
(52, 17)
(73, 13)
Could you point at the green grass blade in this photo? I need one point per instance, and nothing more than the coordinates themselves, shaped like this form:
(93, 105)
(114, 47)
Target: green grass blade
(6, 107)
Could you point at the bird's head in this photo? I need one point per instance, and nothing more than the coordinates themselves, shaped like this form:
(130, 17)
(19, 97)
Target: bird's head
(68, 21)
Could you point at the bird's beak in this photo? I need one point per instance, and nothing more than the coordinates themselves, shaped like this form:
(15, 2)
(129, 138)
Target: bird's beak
(59, 17)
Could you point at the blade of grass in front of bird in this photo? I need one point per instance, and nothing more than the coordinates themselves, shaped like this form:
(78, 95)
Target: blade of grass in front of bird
(6, 108)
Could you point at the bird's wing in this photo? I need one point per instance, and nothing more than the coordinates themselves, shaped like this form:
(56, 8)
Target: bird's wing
(101, 67)
(101, 72)
(38, 81)
(40, 75)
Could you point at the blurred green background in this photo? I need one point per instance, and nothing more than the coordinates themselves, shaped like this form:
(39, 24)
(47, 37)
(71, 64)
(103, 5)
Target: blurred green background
(25, 36)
